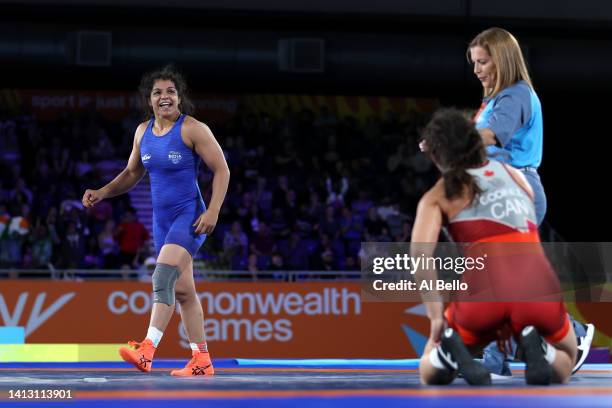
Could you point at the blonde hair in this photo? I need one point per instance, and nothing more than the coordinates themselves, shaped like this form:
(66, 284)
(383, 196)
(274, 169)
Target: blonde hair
(507, 56)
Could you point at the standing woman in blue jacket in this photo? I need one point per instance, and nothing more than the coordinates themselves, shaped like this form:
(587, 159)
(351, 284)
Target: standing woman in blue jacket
(510, 117)
(510, 124)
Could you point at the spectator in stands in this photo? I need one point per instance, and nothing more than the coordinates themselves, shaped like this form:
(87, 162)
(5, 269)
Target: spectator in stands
(335, 194)
(92, 259)
(295, 252)
(25, 219)
(405, 234)
(103, 149)
(19, 228)
(329, 224)
(5, 221)
(71, 202)
(254, 220)
(78, 217)
(41, 243)
(374, 226)
(263, 196)
(263, 244)
(325, 247)
(279, 225)
(8, 135)
(234, 196)
(315, 207)
(280, 192)
(235, 246)
(244, 209)
(362, 205)
(44, 200)
(5, 218)
(44, 179)
(72, 248)
(61, 162)
(327, 262)
(290, 208)
(350, 227)
(394, 219)
(131, 235)
(83, 168)
(287, 159)
(52, 226)
(100, 215)
(304, 223)
(251, 165)
(21, 193)
(108, 245)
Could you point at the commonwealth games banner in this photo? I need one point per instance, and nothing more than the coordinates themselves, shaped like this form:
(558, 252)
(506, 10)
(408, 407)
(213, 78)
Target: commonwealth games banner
(251, 320)
(242, 319)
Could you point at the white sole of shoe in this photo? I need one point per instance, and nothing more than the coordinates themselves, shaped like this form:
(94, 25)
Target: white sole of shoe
(585, 346)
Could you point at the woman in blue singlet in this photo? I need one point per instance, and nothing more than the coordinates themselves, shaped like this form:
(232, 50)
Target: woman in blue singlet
(170, 147)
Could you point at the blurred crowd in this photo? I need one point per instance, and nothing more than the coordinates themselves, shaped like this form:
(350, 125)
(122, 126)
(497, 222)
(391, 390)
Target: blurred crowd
(306, 189)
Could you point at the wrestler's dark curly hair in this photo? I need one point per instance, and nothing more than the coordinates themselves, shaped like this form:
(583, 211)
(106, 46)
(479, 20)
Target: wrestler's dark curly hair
(170, 73)
(455, 145)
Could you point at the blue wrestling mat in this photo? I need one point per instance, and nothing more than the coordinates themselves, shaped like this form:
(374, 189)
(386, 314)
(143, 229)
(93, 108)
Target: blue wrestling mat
(278, 383)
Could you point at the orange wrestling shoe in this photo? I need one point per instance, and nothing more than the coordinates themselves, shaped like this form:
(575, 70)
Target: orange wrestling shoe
(199, 364)
(140, 355)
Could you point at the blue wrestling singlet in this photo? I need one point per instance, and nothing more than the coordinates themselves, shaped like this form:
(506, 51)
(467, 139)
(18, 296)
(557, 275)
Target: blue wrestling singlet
(177, 201)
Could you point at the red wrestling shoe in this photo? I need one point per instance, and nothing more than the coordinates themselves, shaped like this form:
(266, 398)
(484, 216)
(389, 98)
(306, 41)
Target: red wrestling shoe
(199, 364)
(140, 355)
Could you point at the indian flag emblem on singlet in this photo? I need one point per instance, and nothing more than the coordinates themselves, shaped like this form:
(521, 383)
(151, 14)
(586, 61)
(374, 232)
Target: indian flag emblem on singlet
(175, 157)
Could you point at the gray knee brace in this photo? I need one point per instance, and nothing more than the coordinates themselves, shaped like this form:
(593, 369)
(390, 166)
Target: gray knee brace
(164, 279)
